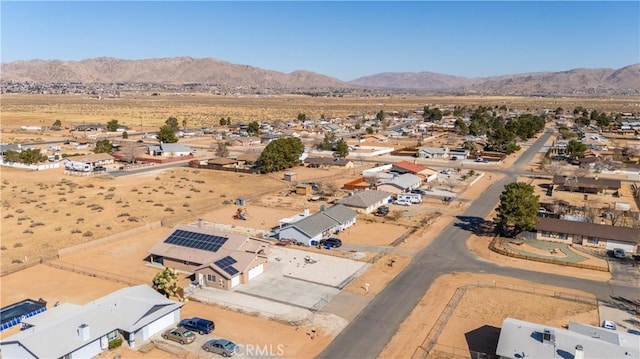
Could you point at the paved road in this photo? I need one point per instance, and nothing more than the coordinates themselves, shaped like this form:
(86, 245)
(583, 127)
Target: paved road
(371, 330)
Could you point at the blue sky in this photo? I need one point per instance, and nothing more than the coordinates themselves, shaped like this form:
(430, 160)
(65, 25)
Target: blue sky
(345, 40)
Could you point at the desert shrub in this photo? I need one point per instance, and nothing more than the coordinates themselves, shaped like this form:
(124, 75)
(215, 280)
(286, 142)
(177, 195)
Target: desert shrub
(24, 218)
(119, 201)
(158, 205)
(185, 205)
(55, 210)
(115, 343)
(68, 214)
(27, 231)
(195, 190)
(57, 229)
(19, 210)
(223, 196)
(133, 219)
(149, 201)
(36, 224)
(87, 234)
(167, 192)
(168, 209)
(98, 225)
(187, 197)
(78, 203)
(90, 185)
(62, 199)
(111, 189)
(226, 201)
(75, 230)
(16, 261)
(124, 214)
(8, 215)
(199, 181)
(42, 195)
(109, 196)
(108, 228)
(17, 245)
(5, 182)
(157, 178)
(3, 248)
(82, 196)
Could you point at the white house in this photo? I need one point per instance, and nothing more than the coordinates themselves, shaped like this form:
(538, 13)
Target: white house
(320, 225)
(366, 201)
(84, 331)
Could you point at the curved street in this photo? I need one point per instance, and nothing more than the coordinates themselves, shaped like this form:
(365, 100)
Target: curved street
(371, 330)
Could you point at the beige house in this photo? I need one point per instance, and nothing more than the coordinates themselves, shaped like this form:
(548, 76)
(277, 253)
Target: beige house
(216, 259)
(588, 234)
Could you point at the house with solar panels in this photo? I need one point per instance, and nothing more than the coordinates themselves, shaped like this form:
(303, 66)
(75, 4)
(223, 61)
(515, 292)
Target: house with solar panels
(217, 259)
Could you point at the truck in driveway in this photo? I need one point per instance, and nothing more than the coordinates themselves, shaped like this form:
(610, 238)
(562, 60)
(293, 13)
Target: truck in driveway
(199, 325)
(410, 197)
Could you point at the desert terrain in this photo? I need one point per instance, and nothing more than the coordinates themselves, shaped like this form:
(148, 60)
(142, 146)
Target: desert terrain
(84, 221)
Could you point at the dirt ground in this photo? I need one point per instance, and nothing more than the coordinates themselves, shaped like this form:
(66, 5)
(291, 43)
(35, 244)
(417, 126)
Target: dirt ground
(46, 210)
(497, 305)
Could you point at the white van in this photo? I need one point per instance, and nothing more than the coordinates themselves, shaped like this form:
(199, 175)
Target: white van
(411, 197)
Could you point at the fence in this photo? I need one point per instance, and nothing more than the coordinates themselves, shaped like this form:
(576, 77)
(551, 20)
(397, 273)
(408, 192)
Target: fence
(109, 239)
(429, 346)
(25, 263)
(95, 273)
(496, 246)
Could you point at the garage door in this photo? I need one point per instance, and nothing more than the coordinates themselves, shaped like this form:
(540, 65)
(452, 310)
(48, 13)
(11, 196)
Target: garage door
(158, 325)
(628, 247)
(254, 272)
(235, 281)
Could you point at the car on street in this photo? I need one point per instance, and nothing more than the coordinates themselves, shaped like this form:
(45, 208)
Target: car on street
(223, 347)
(608, 324)
(180, 335)
(419, 191)
(618, 253)
(99, 169)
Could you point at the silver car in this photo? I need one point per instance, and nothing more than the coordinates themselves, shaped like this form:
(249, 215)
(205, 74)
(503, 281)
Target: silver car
(223, 347)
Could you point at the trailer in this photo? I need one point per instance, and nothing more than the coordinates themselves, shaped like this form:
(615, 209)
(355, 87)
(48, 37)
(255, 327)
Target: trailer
(411, 197)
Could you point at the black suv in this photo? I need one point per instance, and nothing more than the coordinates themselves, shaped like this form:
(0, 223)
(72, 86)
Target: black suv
(330, 242)
(382, 211)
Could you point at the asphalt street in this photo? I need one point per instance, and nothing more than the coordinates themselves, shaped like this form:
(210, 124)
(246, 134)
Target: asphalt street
(371, 330)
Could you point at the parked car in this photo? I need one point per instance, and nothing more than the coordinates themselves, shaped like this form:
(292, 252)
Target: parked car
(419, 191)
(382, 211)
(99, 169)
(608, 324)
(180, 335)
(202, 326)
(223, 347)
(402, 202)
(454, 158)
(633, 331)
(333, 242)
(618, 253)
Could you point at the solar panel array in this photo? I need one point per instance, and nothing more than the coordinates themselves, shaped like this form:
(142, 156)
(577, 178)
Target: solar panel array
(205, 242)
(226, 265)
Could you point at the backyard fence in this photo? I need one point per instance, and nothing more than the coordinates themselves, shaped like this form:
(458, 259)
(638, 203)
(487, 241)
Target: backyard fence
(496, 246)
(91, 272)
(430, 348)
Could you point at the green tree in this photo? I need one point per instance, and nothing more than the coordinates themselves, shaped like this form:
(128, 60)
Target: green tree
(301, 117)
(103, 146)
(28, 156)
(380, 116)
(253, 128)
(461, 127)
(603, 120)
(281, 154)
(167, 134)
(112, 125)
(518, 209)
(57, 125)
(173, 123)
(559, 111)
(166, 282)
(342, 149)
(328, 142)
(576, 149)
(370, 130)
(125, 135)
(223, 121)
(358, 126)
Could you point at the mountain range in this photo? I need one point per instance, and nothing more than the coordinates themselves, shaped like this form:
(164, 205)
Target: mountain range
(186, 70)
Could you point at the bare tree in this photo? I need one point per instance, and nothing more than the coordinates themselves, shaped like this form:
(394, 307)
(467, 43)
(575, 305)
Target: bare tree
(330, 188)
(130, 152)
(552, 168)
(222, 150)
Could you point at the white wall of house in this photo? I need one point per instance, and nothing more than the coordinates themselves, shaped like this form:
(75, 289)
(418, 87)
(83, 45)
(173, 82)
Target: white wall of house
(158, 325)
(346, 225)
(293, 233)
(15, 351)
(88, 351)
(235, 281)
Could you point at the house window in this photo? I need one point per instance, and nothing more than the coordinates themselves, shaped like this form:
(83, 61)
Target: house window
(592, 240)
(211, 278)
(112, 335)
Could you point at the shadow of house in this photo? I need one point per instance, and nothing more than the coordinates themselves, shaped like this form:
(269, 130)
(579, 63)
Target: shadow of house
(483, 340)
